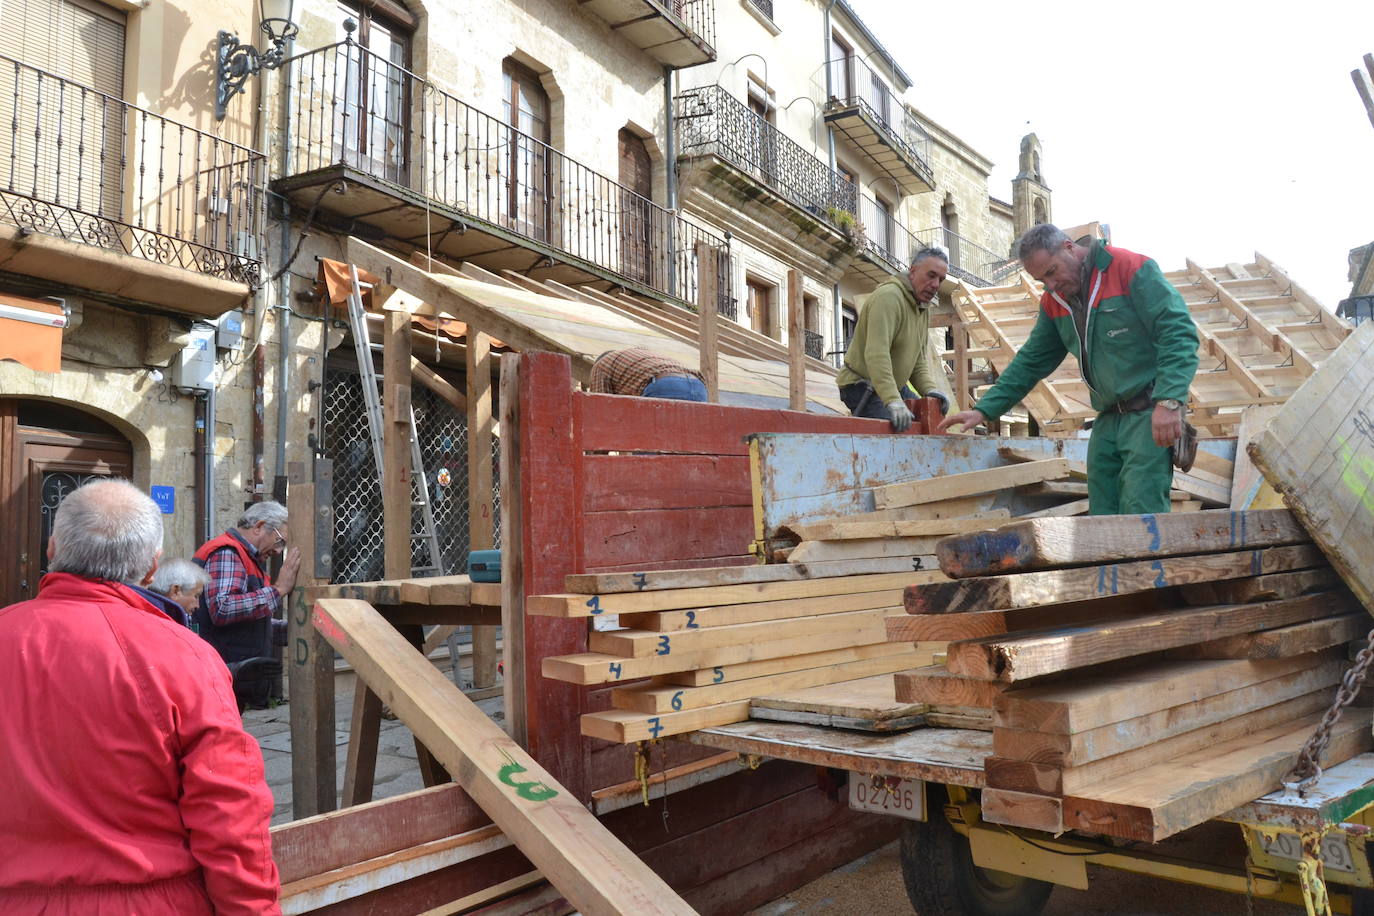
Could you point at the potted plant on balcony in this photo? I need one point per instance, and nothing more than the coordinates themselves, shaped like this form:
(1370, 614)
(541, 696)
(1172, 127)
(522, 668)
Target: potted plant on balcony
(848, 224)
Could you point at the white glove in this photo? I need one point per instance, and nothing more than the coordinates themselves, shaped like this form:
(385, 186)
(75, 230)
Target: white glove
(901, 415)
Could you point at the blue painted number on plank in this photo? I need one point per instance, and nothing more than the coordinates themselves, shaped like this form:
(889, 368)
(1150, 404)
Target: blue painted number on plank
(664, 647)
(594, 602)
(677, 700)
(655, 726)
(692, 621)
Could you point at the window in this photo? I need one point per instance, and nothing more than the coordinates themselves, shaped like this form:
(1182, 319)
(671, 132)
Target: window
(372, 125)
(879, 96)
(841, 76)
(881, 233)
(761, 312)
(765, 137)
(849, 320)
(949, 220)
(525, 107)
(636, 211)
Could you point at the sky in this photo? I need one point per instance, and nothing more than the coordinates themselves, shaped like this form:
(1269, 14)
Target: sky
(1207, 130)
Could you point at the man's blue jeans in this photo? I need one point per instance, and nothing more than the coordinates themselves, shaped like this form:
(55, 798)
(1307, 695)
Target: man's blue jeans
(676, 388)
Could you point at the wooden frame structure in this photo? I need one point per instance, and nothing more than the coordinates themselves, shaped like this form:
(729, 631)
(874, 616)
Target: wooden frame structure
(1260, 336)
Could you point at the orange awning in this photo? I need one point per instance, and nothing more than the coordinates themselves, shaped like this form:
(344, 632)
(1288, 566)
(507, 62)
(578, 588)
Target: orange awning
(31, 332)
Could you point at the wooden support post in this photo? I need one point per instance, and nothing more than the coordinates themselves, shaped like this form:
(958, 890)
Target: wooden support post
(963, 399)
(480, 520)
(395, 472)
(364, 731)
(1362, 86)
(311, 661)
(438, 384)
(796, 342)
(512, 567)
(708, 315)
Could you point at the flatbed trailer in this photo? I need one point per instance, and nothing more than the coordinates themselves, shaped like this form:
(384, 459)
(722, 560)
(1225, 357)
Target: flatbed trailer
(956, 864)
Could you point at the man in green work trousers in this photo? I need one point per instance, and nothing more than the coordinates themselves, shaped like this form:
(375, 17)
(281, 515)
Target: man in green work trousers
(1136, 345)
(891, 344)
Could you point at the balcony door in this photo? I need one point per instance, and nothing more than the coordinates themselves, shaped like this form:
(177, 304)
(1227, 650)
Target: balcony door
(841, 68)
(61, 91)
(372, 126)
(636, 210)
(765, 135)
(528, 161)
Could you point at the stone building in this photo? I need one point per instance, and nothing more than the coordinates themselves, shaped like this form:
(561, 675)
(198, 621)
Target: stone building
(576, 142)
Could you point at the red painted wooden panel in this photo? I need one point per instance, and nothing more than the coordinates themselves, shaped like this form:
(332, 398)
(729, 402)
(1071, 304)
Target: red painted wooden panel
(650, 536)
(664, 481)
(618, 424)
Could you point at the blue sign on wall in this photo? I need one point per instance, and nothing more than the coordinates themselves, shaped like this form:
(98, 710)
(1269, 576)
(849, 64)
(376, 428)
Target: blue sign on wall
(165, 497)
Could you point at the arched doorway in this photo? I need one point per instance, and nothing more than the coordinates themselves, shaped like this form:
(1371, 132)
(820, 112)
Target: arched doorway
(47, 450)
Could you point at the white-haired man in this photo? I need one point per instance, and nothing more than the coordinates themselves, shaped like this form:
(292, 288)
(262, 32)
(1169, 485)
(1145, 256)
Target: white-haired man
(130, 785)
(236, 611)
(182, 583)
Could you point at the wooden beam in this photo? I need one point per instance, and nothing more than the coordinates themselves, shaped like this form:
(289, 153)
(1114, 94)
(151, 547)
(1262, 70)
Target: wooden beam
(648, 643)
(729, 614)
(1023, 809)
(481, 514)
(573, 850)
(512, 557)
(438, 384)
(1021, 656)
(662, 579)
(796, 342)
(395, 473)
(311, 660)
(969, 483)
(1061, 585)
(1363, 88)
(1048, 542)
(708, 317)
(1283, 642)
(743, 671)
(1263, 587)
(839, 529)
(623, 727)
(979, 624)
(360, 765)
(935, 685)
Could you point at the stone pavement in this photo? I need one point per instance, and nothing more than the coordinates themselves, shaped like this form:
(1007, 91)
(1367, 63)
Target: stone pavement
(397, 769)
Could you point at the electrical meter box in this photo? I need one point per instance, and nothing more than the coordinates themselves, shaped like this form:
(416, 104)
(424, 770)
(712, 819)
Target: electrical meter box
(194, 367)
(229, 330)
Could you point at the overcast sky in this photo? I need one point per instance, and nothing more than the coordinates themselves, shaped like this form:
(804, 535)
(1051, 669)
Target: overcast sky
(1208, 129)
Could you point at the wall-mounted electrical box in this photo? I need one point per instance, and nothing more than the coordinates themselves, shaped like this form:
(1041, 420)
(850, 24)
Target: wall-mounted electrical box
(195, 368)
(229, 330)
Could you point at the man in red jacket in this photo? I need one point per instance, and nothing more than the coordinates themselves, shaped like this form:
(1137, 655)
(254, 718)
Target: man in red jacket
(129, 784)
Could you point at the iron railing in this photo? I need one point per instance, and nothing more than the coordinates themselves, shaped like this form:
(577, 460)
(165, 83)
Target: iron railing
(969, 260)
(884, 236)
(764, 6)
(91, 168)
(814, 344)
(854, 84)
(711, 122)
(699, 18)
(356, 109)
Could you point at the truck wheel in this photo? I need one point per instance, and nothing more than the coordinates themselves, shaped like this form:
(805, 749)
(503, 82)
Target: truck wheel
(941, 879)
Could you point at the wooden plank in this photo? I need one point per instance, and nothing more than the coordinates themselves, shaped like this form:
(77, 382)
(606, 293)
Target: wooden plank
(1283, 642)
(632, 482)
(861, 549)
(436, 590)
(574, 851)
(1057, 779)
(1119, 695)
(1130, 734)
(728, 614)
(664, 579)
(1018, 657)
(584, 605)
(599, 668)
(439, 385)
(623, 727)
(364, 730)
(311, 680)
(395, 474)
(1263, 588)
(708, 317)
(1062, 585)
(651, 698)
(796, 342)
(626, 538)
(1063, 510)
(872, 699)
(969, 483)
(1048, 542)
(647, 643)
(978, 624)
(838, 529)
(512, 557)
(1156, 802)
(739, 671)
(1319, 453)
(935, 685)
(1023, 809)
(1249, 489)
(481, 508)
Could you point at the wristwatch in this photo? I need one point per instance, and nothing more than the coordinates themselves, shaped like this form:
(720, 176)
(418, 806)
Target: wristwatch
(1169, 404)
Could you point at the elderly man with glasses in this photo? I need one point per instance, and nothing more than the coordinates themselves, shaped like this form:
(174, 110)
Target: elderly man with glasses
(236, 611)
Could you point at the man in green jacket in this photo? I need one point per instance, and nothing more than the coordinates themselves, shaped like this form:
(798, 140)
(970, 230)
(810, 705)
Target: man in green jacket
(1136, 345)
(891, 345)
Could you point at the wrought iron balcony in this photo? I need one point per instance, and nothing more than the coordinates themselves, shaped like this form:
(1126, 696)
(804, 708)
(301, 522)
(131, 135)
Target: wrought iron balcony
(872, 117)
(711, 122)
(379, 150)
(679, 33)
(91, 168)
(814, 344)
(968, 260)
(889, 246)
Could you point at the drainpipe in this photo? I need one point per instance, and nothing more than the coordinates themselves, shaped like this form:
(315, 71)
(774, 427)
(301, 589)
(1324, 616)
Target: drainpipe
(210, 437)
(670, 174)
(838, 308)
(202, 521)
(284, 347)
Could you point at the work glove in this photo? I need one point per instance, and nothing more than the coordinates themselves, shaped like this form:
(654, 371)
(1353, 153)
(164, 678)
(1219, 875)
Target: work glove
(944, 401)
(901, 415)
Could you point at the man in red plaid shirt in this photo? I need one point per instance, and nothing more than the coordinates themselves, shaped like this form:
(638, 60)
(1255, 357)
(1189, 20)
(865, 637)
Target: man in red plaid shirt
(236, 611)
(643, 373)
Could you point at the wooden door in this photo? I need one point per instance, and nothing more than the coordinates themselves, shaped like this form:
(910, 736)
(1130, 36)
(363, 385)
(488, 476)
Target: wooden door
(636, 209)
(42, 464)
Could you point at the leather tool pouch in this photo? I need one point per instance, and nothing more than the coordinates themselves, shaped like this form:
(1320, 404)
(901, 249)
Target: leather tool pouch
(1185, 449)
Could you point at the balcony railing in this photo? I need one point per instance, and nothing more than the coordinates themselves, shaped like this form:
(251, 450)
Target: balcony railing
(968, 259)
(699, 16)
(764, 6)
(855, 84)
(884, 236)
(814, 344)
(91, 168)
(355, 109)
(711, 122)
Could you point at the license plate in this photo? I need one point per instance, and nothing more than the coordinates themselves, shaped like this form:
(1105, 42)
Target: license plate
(1336, 854)
(888, 795)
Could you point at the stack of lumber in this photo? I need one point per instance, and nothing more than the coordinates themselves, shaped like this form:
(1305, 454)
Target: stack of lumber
(711, 640)
(1140, 674)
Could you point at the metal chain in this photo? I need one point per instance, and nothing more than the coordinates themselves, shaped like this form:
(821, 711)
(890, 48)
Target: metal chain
(1308, 768)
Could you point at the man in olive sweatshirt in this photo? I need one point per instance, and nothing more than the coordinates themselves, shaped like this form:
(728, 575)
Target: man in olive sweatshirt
(891, 345)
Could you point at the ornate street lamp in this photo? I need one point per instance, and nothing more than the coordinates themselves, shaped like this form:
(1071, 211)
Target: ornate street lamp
(237, 62)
